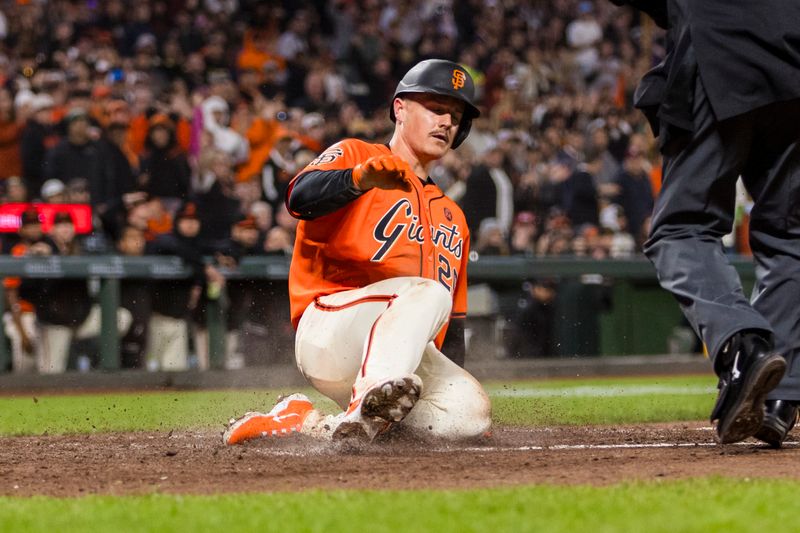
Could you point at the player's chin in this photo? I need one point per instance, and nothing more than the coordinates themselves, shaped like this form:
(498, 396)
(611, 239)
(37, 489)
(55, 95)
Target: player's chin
(437, 147)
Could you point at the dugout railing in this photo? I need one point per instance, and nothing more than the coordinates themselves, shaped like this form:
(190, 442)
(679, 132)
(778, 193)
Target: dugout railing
(633, 316)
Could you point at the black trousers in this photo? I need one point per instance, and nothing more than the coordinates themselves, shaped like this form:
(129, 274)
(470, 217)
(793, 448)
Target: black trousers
(695, 209)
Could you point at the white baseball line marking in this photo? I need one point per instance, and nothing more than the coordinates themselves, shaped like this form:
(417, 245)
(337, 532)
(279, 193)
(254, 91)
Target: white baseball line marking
(597, 391)
(607, 446)
(553, 447)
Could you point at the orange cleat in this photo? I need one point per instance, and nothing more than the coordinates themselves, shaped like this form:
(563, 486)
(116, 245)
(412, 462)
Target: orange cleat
(285, 418)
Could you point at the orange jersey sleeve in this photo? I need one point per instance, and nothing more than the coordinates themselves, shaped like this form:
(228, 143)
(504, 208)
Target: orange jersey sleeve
(381, 234)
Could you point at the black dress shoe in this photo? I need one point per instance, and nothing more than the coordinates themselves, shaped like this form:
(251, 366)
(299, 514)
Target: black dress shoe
(779, 419)
(748, 370)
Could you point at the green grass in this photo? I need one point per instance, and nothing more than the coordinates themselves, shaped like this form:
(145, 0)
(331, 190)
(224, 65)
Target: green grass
(699, 504)
(596, 401)
(603, 401)
(703, 505)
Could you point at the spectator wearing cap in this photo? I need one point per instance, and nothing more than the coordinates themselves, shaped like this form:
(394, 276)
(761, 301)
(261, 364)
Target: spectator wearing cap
(175, 300)
(20, 319)
(65, 309)
(38, 135)
(10, 136)
(165, 171)
(53, 192)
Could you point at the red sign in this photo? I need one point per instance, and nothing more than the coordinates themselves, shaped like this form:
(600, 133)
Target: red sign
(81, 216)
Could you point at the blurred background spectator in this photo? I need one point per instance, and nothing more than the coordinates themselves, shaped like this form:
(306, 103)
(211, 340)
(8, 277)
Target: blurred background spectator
(136, 296)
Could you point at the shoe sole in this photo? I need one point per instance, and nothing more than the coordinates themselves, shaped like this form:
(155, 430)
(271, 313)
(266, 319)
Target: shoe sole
(384, 404)
(746, 415)
(392, 401)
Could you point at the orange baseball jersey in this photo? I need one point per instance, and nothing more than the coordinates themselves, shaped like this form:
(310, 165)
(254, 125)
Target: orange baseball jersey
(378, 235)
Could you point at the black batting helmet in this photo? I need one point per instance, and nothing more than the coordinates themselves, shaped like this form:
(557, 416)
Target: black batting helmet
(439, 76)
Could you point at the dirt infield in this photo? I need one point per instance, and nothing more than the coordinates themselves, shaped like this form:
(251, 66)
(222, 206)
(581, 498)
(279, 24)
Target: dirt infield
(198, 463)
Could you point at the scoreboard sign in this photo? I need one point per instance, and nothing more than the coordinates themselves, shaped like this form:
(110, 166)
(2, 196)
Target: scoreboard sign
(81, 216)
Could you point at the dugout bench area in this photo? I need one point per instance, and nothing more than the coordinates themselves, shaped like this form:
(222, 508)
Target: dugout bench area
(608, 307)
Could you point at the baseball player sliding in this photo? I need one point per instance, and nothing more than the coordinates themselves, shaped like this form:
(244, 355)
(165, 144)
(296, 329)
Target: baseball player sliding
(378, 282)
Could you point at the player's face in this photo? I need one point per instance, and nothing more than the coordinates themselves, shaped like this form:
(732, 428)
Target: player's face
(430, 123)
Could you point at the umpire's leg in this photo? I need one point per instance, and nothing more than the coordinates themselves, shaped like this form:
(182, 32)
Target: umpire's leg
(773, 180)
(694, 210)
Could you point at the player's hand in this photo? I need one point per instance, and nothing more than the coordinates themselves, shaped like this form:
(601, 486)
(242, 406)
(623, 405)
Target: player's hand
(27, 344)
(383, 172)
(194, 297)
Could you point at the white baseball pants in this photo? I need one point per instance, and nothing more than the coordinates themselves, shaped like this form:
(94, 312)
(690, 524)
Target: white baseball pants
(348, 341)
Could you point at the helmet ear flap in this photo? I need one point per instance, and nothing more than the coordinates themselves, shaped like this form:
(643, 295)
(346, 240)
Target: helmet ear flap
(461, 134)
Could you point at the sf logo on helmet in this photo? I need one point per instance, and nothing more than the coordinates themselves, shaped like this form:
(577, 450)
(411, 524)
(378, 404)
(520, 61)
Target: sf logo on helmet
(459, 78)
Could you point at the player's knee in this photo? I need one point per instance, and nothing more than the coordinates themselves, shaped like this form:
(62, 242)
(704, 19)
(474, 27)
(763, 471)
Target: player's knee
(473, 417)
(433, 293)
(461, 410)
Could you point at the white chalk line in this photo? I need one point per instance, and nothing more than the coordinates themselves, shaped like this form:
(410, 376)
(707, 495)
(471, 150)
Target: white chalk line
(550, 447)
(627, 446)
(597, 391)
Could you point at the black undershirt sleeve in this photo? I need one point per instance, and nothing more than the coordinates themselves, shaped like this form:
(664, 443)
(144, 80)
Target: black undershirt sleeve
(454, 345)
(320, 192)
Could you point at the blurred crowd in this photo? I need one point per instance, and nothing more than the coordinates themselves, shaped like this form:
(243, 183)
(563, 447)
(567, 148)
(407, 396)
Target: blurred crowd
(180, 122)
